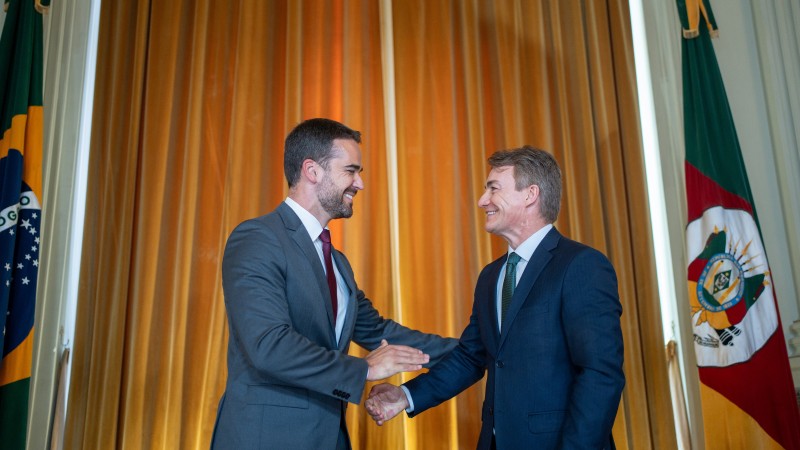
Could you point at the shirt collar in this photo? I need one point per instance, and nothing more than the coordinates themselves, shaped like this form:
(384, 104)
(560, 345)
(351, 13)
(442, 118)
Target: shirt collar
(311, 224)
(526, 249)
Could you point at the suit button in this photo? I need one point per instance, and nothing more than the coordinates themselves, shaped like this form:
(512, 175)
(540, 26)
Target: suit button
(499, 364)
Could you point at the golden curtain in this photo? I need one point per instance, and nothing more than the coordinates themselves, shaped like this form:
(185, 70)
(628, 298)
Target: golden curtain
(193, 101)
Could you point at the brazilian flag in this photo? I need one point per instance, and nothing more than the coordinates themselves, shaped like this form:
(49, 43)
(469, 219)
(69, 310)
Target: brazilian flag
(746, 387)
(20, 213)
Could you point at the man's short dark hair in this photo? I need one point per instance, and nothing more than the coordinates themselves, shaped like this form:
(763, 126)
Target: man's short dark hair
(312, 139)
(534, 166)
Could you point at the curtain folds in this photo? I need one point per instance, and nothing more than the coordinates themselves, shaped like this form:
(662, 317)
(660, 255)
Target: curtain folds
(193, 101)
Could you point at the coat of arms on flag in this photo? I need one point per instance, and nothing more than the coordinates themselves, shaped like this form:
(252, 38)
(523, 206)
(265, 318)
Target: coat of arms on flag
(728, 275)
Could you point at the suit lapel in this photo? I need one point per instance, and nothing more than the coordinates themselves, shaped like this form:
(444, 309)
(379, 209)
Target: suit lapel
(298, 233)
(541, 256)
(492, 293)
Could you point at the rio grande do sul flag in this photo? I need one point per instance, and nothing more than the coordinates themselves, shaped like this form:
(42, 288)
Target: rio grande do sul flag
(747, 393)
(21, 118)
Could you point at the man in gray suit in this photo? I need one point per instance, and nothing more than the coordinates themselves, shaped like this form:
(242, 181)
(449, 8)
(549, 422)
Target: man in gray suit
(293, 308)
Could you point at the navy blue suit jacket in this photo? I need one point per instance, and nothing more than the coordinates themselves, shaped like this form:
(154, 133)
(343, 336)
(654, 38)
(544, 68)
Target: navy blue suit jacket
(555, 369)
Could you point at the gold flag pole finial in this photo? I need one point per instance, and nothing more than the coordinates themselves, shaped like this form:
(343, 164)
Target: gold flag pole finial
(41, 8)
(693, 10)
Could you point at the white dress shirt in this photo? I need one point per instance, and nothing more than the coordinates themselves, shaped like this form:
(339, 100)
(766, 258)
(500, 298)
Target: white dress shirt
(525, 252)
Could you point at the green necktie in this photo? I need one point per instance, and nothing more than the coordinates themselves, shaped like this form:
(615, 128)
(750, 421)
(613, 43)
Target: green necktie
(509, 283)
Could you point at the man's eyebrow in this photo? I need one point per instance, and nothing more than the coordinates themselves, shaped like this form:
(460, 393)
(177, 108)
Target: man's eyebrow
(354, 167)
(491, 183)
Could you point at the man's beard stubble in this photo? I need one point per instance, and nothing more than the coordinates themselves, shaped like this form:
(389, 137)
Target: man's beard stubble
(332, 200)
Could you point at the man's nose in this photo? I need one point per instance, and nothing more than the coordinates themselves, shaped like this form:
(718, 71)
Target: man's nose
(483, 200)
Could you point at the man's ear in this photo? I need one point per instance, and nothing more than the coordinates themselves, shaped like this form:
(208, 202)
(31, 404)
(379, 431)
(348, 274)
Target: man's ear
(310, 170)
(533, 195)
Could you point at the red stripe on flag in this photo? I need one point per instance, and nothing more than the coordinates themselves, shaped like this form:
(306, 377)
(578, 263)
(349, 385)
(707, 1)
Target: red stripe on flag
(703, 193)
(696, 269)
(737, 312)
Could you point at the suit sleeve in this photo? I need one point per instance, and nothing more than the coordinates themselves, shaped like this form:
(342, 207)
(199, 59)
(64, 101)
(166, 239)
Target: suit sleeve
(591, 317)
(371, 328)
(459, 370)
(254, 280)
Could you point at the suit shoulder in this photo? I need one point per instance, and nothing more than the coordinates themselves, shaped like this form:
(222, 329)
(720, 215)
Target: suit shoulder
(255, 244)
(571, 249)
(568, 245)
(256, 234)
(264, 222)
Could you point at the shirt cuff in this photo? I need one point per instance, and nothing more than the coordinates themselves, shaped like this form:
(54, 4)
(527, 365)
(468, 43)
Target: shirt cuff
(410, 408)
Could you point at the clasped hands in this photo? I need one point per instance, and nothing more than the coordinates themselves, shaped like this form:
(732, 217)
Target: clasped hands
(386, 400)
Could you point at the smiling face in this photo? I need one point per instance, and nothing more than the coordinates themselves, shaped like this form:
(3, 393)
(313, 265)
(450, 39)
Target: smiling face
(505, 206)
(341, 179)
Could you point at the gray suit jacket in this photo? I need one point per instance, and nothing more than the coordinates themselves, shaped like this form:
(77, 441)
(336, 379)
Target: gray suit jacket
(288, 380)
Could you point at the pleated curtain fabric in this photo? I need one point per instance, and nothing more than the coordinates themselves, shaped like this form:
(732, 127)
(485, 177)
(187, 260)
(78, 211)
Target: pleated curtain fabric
(194, 102)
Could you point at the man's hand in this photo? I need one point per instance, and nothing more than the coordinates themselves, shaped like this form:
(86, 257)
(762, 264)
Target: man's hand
(388, 360)
(385, 401)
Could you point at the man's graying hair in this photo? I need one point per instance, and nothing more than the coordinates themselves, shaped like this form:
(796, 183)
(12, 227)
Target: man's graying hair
(534, 166)
(312, 139)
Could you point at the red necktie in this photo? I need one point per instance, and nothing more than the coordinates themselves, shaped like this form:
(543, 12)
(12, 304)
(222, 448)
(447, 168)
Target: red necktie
(325, 237)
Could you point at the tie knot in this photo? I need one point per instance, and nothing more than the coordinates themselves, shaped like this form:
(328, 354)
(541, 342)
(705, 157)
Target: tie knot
(325, 236)
(513, 259)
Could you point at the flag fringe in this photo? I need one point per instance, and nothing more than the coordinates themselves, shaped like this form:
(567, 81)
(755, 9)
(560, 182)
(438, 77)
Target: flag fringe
(694, 9)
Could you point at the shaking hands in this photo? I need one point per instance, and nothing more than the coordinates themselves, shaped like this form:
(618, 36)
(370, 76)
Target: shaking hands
(385, 401)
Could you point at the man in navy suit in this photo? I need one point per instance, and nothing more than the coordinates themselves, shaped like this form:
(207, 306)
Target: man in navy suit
(545, 325)
(293, 308)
